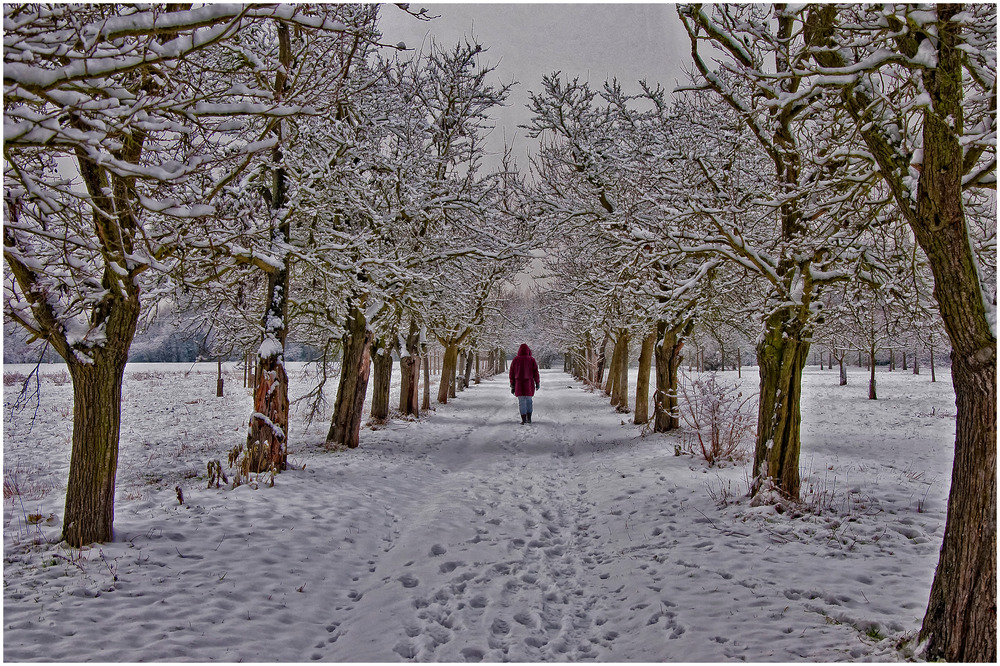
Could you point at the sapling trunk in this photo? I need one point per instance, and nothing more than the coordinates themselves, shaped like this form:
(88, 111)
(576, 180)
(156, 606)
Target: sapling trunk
(872, 393)
(425, 400)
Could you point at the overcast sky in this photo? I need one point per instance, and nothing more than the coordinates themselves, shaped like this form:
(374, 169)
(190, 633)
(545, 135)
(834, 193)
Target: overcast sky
(593, 41)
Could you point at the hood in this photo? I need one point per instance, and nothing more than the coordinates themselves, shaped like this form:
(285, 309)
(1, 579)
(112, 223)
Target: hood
(524, 350)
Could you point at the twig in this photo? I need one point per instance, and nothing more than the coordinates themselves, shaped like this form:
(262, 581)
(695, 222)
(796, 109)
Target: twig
(724, 531)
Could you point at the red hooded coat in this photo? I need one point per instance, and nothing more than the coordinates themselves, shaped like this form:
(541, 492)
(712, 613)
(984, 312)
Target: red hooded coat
(524, 372)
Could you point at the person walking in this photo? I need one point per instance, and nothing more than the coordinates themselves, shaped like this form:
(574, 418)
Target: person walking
(524, 380)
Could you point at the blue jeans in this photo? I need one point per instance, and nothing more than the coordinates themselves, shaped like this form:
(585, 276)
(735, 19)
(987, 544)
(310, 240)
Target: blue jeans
(524, 403)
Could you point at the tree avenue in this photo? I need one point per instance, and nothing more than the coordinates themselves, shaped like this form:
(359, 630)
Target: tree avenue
(823, 185)
(914, 90)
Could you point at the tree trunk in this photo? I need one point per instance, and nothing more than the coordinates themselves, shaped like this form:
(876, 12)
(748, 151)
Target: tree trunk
(916, 362)
(619, 396)
(904, 361)
(961, 620)
(409, 373)
(97, 391)
(446, 387)
(843, 372)
(381, 380)
(872, 394)
(348, 408)
(425, 401)
(478, 369)
(933, 374)
(460, 382)
(601, 361)
(781, 355)
(739, 363)
(266, 435)
(669, 342)
(470, 359)
(453, 376)
(642, 381)
(613, 372)
(267, 432)
(961, 614)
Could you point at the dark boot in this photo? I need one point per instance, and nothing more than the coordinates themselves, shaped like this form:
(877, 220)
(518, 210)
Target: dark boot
(529, 417)
(524, 418)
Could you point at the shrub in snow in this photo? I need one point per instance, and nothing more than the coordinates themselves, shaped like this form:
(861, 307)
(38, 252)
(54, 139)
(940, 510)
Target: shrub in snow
(719, 419)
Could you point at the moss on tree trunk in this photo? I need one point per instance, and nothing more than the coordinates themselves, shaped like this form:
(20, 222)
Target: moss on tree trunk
(961, 622)
(781, 356)
(669, 342)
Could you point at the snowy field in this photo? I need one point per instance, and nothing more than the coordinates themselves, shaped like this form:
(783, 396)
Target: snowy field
(468, 537)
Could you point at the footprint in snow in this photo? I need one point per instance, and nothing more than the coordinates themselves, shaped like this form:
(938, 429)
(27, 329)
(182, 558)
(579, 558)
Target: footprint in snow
(500, 627)
(524, 619)
(448, 567)
(438, 549)
(408, 580)
(472, 654)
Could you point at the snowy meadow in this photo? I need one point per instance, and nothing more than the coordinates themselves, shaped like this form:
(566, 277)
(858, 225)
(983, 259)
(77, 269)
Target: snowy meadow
(465, 536)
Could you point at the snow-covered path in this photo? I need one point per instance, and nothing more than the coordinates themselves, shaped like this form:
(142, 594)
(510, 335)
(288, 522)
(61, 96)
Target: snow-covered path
(469, 537)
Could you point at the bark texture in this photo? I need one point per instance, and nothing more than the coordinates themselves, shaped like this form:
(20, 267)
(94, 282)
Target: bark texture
(425, 399)
(266, 434)
(669, 342)
(449, 365)
(781, 354)
(642, 380)
(961, 621)
(97, 390)
(409, 374)
(613, 374)
(619, 397)
(381, 379)
(470, 359)
(872, 389)
(348, 408)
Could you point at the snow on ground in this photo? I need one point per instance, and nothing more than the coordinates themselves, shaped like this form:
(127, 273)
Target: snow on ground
(467, 537)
